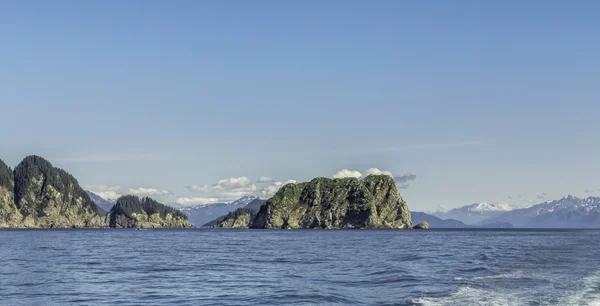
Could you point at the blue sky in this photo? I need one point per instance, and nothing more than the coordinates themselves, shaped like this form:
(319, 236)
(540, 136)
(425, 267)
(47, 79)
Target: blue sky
(482, 101)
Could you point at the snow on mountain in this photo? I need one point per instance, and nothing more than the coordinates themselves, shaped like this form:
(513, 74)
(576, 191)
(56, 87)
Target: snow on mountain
(567, 212)
(201, 214)
(474, 213)
(487, 207)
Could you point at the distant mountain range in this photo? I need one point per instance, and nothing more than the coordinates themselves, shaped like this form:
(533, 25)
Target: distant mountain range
(568, 212)
(105, 205)
(201, 214)
(474, 213)
(435, 222)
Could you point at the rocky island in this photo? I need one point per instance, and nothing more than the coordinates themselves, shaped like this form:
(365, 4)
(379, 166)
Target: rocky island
(133, 212)
(38, 195)
(347, 203)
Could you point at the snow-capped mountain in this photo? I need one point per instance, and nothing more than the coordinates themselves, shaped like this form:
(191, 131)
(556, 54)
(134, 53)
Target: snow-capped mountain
(104, 204)
(474, 213)
(201, 214)
(568, 212)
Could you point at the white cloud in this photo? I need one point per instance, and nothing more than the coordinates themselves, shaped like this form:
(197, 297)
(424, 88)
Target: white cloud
(196, 201)
(105, 191)
(231, 188)
(147, 192)
(107, 195)
(235, 187)
(99, 188)
(347, 173)
(375, 171)
(272, 189)
(265, 179)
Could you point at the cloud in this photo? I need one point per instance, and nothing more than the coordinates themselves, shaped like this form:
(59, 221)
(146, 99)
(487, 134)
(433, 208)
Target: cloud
(541, 196)
(265, 179)
(405, 178)
(402, 181)
(415, 147)
(196, 201)
(589, 191)
(347, 173)
(235, 187)
(231, 188)
(272, 189)
(99, 158)
(104, 191)
(147, 192)
(375, 171)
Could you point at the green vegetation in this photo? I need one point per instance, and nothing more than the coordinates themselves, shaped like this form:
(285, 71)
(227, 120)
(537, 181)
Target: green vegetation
(127, 205)
(6, 176)
(36, 170)
(373, 202)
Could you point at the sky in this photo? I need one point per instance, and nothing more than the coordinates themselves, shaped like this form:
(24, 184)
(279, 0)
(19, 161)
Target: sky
(194, 101)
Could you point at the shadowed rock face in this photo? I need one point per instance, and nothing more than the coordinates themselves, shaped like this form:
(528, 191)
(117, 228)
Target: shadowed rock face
(9, 214)
(422, 225)
(133, 212)
(349, 203)
(43, 196)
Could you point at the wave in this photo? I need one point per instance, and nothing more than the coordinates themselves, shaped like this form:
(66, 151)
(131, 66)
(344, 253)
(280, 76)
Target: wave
(471, 296)
(589, 295)
(515, 274)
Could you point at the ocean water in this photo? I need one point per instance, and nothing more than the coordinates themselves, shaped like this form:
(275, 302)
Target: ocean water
(303, 267)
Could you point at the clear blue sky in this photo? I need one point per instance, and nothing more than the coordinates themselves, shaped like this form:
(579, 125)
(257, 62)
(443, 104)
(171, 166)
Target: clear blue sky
(482, 100)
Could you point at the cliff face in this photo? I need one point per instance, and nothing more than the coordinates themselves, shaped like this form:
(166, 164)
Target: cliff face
(133, 212)
(349, 203)
(43, 196)
(9, 214)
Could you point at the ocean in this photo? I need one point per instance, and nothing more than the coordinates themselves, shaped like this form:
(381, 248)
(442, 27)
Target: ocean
(300, 267)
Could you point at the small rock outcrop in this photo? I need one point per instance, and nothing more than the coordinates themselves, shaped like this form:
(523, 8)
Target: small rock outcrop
(133, 212)
(422, 225)
(38, 195)
(348, 203)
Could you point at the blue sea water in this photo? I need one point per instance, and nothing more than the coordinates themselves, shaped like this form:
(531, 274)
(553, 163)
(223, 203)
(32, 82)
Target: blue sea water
(303, 267)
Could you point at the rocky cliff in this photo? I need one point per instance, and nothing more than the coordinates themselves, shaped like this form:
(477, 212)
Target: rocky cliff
(43, 196)
(133, 212)
(9, 214)
(348, 203)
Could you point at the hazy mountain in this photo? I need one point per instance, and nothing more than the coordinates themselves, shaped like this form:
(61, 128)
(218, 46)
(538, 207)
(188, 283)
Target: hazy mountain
(201, 214)
(568, 212)
(435, 222)
(104, 204)
(474, 213)
(251, 209)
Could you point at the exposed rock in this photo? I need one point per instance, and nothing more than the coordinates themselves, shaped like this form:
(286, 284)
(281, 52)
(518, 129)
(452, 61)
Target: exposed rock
(9, 214)
(133, 212)
(347, 203)
(45, 197)
(422, 225)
